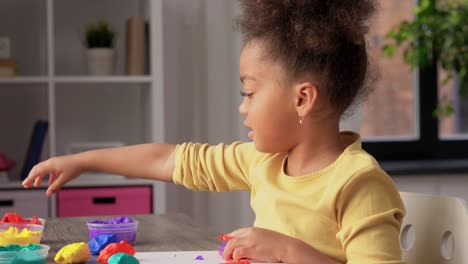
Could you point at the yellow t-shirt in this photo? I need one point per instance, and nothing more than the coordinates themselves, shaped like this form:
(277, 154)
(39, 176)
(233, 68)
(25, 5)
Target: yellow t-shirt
(350, 210)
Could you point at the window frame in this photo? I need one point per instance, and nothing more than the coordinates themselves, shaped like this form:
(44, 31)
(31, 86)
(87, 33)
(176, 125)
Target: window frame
(428, 146)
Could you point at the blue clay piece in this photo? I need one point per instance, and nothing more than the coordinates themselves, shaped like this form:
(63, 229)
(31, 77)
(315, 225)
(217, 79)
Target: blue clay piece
(122, 258)
(100, 242)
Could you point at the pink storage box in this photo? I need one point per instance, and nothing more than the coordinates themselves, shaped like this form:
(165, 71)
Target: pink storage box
(104, 201)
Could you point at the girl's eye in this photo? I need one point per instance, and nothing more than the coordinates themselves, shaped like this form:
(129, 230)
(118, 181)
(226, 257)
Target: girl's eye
(245, 94)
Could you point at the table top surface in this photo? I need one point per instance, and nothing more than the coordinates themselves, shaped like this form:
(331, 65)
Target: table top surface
(169, 232)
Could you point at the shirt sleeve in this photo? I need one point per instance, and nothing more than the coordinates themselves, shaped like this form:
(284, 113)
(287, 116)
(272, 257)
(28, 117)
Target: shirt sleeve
(370, 212)
(218, 168)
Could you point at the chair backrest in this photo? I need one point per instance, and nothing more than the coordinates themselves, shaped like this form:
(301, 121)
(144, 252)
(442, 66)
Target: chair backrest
(434, 230)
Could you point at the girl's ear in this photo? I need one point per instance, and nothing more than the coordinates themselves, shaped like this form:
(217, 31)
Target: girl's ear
(306, 98)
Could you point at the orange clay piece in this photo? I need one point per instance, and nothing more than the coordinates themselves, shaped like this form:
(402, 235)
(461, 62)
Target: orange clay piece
(113, 248)
(15, 218)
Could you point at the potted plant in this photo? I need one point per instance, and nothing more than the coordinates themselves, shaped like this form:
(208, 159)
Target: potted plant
(438, 34)
(100, 43)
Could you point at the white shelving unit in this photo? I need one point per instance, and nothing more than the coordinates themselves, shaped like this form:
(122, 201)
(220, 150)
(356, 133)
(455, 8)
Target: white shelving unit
(52, 82)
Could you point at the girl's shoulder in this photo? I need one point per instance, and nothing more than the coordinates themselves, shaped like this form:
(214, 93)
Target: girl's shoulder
(248, 149)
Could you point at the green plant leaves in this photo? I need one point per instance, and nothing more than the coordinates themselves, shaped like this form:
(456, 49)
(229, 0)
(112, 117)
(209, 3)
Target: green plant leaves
(438, 33)
(100, 35)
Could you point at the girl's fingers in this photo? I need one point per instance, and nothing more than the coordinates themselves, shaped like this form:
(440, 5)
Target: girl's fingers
(228, 250)
(51, 178)
(239, 231)
(37, 181)
(235, 242)
(37, 171)
(231, 246)
(56, 185)
(241, 252)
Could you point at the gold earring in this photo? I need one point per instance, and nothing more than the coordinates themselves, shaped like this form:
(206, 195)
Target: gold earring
(301, 120)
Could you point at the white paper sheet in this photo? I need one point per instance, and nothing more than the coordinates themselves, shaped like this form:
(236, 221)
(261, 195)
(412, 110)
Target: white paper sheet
(177, 257)
(182, 257)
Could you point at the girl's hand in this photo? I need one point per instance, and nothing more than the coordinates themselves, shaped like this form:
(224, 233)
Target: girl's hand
(256, 243)
(60, 170)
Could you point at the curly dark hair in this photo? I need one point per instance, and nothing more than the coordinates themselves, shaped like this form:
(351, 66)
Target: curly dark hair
(325, 37)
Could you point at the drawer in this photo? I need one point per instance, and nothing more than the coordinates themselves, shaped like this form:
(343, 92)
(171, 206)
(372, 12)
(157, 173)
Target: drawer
(26, 203)
(104, 201)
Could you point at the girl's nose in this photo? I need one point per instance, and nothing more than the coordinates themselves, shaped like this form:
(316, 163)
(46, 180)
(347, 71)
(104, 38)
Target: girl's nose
(243, 107)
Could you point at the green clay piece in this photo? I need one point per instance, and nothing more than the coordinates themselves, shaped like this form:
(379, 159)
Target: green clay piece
(37, 260)
(122, 258)
(15, 247)
(25, 258)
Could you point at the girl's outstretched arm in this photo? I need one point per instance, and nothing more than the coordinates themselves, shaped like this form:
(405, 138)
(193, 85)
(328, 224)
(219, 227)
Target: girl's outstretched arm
(149, 161)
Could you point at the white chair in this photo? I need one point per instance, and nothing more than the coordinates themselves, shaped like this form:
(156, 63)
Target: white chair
(434, 230)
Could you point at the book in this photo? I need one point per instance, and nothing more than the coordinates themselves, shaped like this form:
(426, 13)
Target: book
(7, 62)
(3, 176)
(136, 50)
(36, 143)
(7, 72)
(5, 47)
(7, 67)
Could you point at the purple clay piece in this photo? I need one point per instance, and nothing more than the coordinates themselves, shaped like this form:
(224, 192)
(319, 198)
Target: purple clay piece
(123, 227)
(221, 247)
(199, 258)
(100, 242)
(118, 220)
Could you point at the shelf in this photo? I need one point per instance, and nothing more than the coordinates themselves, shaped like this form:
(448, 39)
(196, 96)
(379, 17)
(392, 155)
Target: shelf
(52, 82)
(76, 79)
(103, 79)
(23, 79)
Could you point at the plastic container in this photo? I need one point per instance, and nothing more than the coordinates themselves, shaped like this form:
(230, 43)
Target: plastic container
(32, 239)
(31, 257)
(126, 232)
(42, 220)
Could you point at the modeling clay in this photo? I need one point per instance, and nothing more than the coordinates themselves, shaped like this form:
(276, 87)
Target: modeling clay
(13, 236)
(199, 258)
(114, 248)
(33, 259)
(15, 247)
(15, 218)
(122, 258)
(100, 242)
(225, 239)
(123, 227)
(73, 253)
(221, 248)
(118, 220)
(28, 258)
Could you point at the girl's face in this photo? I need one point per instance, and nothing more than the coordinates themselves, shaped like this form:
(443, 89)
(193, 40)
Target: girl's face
(268, 105)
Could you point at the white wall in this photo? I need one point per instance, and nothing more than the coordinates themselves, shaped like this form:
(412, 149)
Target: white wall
(202, 78)
(201, 75)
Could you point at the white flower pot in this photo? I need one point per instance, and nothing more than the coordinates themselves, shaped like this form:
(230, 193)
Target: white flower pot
(101, 61)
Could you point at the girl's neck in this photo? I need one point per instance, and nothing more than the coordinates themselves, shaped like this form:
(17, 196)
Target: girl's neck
(316, 152)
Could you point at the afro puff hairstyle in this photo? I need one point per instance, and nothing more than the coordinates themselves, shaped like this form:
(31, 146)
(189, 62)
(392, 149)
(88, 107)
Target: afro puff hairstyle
(324, 37)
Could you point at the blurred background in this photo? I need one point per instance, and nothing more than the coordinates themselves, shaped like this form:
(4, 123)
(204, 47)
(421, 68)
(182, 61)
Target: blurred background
(172, 75)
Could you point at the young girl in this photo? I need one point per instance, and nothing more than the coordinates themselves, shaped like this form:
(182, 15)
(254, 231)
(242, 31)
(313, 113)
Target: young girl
(318, 197)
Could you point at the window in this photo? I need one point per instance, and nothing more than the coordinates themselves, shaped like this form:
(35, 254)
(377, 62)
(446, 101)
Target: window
(454, 126)
(396, 122)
